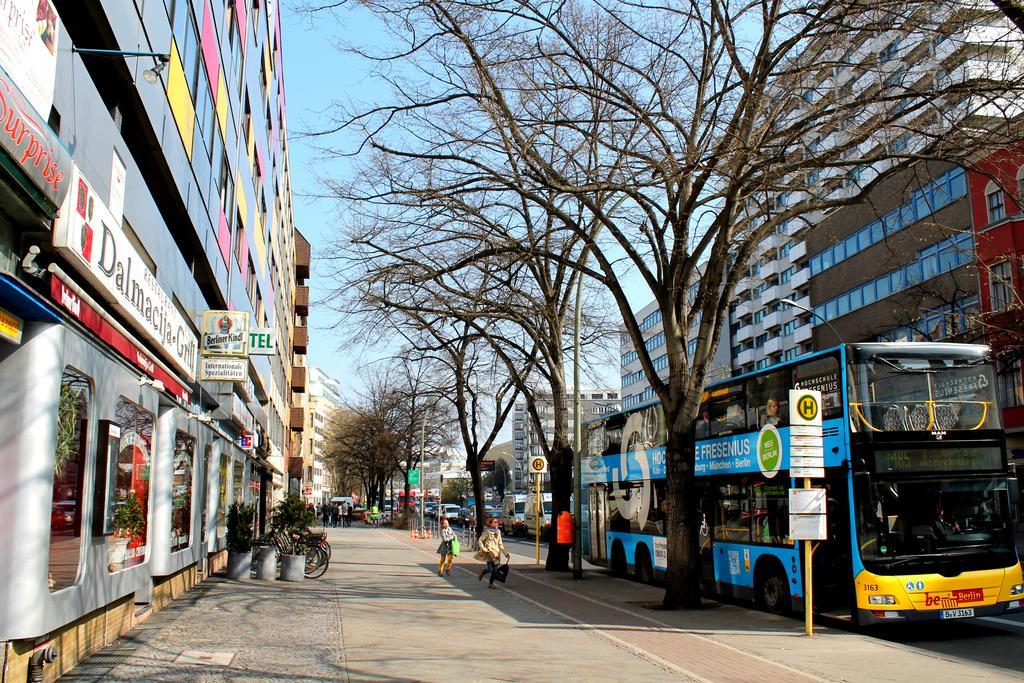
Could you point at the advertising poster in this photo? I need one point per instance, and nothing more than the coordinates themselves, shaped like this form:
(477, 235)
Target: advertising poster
(28, 48)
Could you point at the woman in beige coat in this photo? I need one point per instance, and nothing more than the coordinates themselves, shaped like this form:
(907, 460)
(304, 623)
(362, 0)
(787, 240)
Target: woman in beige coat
(491, 550)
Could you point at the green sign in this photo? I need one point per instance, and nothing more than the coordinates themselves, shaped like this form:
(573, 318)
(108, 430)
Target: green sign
(769, 451)
(414, 477)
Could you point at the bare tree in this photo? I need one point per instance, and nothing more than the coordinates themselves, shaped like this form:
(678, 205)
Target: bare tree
(669, 141)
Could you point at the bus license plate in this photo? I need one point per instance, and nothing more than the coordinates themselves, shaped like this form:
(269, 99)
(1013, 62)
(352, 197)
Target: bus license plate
(961, 613)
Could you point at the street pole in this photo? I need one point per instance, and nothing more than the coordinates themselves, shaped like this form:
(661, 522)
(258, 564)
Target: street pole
(809, 584)
(536, 520)
(423, 468)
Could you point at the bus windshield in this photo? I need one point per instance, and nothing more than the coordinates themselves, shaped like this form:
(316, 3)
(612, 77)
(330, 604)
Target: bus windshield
(897, 392)
(916, 525)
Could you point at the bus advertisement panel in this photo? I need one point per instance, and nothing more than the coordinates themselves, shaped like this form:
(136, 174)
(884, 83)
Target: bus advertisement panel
(916, 479)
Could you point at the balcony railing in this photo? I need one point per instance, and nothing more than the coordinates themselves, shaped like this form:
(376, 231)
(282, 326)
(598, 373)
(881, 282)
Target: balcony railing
(299, 379)
(302, 300)
(302, 258)
(300, 338)
(298, 419)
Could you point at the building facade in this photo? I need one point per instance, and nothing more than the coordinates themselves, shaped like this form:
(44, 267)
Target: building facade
(323, 399)
(527, 441)
(995, 193)
(138, 194)
(899, 265)
(636, 389)
(764, 329)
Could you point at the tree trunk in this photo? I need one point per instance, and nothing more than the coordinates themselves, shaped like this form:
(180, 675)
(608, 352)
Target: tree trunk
(682, 581)
(478, 494)
(560, 468)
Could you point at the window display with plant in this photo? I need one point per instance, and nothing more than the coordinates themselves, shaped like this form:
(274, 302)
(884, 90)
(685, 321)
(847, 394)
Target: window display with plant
(68, 464)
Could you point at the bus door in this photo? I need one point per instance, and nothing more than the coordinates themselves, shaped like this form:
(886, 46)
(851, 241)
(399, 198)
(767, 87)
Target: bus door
(599, 522)
(833, 573)
(706, 513)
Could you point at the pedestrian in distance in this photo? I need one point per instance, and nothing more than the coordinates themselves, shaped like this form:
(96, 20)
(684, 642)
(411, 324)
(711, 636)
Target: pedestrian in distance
(348, 514)
(326, 514)
(445, 550)
(491, 550)
(336, 514)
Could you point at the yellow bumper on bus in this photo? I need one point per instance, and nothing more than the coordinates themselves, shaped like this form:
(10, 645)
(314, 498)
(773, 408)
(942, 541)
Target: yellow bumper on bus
(915, 596)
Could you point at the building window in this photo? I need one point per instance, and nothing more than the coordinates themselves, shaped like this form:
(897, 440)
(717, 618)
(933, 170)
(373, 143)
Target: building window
(68, 477)
(1000, 284)
(1011, 389)
(996, 205)
(240, 244)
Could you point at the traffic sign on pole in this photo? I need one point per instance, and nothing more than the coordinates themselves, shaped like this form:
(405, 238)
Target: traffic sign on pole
(538, 464)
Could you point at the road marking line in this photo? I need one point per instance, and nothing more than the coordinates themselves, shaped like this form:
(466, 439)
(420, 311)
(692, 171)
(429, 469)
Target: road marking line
(998, 620)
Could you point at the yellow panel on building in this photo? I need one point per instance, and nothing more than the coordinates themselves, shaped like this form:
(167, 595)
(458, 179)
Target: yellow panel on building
(182, 108)
(243, 206)
(222, 104)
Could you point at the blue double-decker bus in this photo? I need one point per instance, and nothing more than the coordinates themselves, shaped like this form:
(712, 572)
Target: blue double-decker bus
(919, 495)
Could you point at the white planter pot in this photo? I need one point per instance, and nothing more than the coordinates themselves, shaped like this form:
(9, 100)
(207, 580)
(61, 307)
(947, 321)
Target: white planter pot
(117, 548)
(266, 564)
(239, 565)
(293, 567)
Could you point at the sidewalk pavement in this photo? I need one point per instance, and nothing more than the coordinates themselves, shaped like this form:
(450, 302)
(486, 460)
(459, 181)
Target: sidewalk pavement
(381, 613)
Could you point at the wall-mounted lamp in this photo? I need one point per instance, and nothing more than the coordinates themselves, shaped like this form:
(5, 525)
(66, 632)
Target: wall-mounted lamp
(151, 75)
(155, 383)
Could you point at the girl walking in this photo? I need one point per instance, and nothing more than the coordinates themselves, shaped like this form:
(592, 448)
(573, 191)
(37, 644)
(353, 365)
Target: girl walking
(491, 550)
(444, 565)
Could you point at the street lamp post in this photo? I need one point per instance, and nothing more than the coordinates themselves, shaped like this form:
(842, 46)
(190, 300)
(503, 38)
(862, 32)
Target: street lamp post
(790, 302)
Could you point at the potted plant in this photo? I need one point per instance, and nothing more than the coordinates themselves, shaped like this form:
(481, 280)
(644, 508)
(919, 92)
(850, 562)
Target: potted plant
(292, 520)
(129, 521)
(239, 540)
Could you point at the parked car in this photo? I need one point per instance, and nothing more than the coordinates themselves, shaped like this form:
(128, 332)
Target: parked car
(430, 510)
(513, 517)
(449, 511)
(63, 515)
(463, 518)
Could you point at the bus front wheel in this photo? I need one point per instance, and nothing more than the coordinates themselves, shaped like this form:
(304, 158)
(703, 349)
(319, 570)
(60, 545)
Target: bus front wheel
(773, 591)
(618, 560)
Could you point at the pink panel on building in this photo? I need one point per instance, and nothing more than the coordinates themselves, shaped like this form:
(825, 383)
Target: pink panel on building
(240, 18)
(209, 46)
(259, 158)
(224, 239)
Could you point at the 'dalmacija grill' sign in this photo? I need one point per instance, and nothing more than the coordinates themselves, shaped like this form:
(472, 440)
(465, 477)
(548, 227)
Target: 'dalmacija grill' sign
(98, 248)
(35, 149)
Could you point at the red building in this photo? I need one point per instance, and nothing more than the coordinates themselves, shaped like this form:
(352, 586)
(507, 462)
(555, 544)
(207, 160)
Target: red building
(995, 189)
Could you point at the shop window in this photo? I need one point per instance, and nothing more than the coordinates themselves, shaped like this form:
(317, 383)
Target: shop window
(770, 505)
(68, 471)
(222, 498)
(732, 514)
(238, 490)
(181, 490)
(131, 484)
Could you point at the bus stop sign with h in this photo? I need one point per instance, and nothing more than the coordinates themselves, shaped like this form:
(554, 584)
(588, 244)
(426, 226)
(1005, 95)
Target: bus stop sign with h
(807, 506)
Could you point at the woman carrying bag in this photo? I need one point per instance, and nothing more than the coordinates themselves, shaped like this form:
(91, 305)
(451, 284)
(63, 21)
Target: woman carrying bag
(448, 549)
(491, 550)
